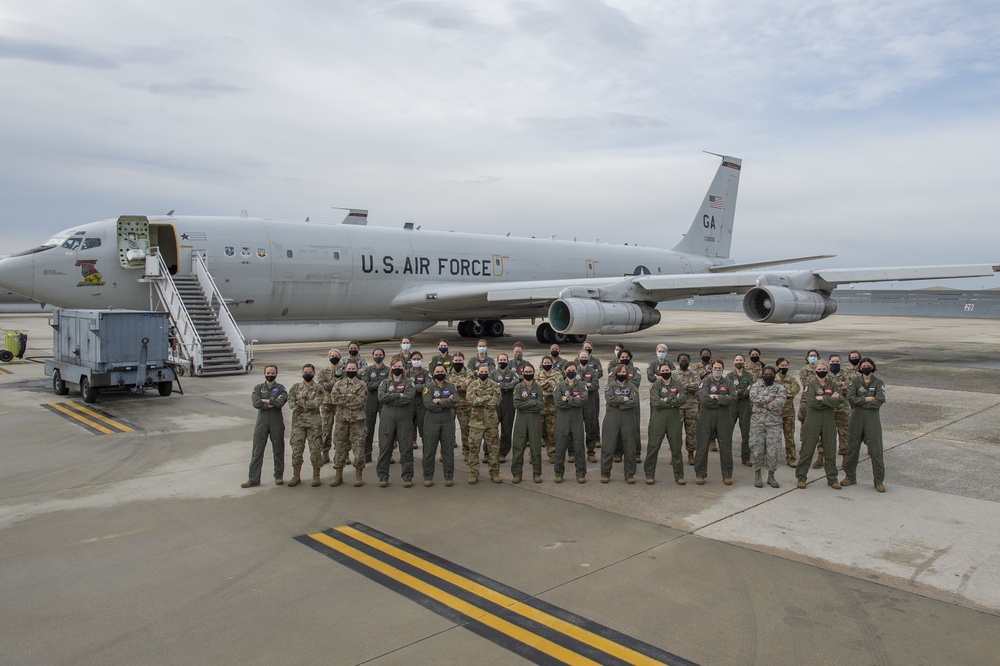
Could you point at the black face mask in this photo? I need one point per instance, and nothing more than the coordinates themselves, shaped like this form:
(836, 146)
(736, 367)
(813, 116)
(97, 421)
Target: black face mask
(554, 354)
(706, 359)
(625, 361)
(584, 361)
(270, 378)
(783, 371)
(440, 377)
(335, 360)
(854, 361)
(867, 371)
(483, 378)
(307, 377)
(570, 375)
(665, 375)
(353, 352)
(443, 350)
(458, 366)
(546, 367)
(529, 376)
(821, 373)
(378, 359)
(351, 374)
(834, 368)
(684, 364)
(621, 378)
(397, 371)
(754, 359)
(502, 365)
(768, 380)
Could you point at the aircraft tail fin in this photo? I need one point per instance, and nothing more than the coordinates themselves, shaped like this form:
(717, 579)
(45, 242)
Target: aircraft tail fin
(711, 232)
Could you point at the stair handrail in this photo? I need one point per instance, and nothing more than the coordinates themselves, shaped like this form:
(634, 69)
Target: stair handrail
(188, 338)
(242, 348)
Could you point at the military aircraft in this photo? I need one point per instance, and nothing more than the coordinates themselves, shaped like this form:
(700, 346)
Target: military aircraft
(290, 281)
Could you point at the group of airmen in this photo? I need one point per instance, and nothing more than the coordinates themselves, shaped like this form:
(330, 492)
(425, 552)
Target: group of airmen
(506, 406)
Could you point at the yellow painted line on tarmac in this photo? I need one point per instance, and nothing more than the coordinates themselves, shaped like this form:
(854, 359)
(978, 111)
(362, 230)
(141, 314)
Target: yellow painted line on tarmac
(93, 420)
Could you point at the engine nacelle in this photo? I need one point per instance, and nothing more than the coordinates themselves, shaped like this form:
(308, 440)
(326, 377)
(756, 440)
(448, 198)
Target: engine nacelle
(781, 305)
(583, 316)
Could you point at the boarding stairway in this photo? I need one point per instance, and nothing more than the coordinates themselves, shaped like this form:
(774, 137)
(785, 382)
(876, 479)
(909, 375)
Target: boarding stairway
(206, 339)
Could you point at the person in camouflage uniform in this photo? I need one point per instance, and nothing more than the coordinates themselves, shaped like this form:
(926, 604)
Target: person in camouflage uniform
(767, 398)
(306, 397)
(528, 403)
(440, 398)
(326, 378)
(591, 374)
(506, 377)
(518, 362)
(570, 397)
(688, 376)
(268, 398)
(349, 395)
(354, 354)
(483, 395)
(547, 380)
(666, 398)
(742, 380)
(395, 423)
(755, 366)
(461, 378)
(788, 411)
(842, 377)
(807, 372)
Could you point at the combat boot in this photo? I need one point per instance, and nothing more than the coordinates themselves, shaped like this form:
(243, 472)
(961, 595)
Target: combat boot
(295, 480)
(315, 477)
(338, 477)
(358, 481)
(771, 481)
(757, 482)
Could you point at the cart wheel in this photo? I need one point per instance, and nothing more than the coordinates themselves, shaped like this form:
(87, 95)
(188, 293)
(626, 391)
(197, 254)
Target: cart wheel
(6, 356)
(179, 369)
(88, 392)
(58, 385)
(165, 388)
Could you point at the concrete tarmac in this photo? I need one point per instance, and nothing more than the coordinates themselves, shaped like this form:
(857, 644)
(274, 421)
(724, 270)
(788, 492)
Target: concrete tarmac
(141, 547)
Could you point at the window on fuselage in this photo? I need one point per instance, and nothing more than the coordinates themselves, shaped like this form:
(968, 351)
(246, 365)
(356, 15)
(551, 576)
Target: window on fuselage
(90, 243)
(72, 243)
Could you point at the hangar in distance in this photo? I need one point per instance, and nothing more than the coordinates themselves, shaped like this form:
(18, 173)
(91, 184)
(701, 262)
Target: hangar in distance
(289, 281)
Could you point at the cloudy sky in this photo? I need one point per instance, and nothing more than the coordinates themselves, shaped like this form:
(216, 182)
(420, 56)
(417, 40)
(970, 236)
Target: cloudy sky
(868, 130)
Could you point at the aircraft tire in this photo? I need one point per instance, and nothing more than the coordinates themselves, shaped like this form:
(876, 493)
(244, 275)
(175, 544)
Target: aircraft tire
(560, 338)
(463, 328)
(58, 385)
(165, 388)
(88, 392)
(577, 339)
(476, 329)
(545, 334)
(6, 356)
(495, 328)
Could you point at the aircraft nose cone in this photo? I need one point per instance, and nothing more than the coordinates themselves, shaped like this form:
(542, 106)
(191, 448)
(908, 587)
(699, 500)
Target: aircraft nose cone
(18, 275)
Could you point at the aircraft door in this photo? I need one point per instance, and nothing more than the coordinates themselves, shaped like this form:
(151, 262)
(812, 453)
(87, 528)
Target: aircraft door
(133, 240)
(592, 267)
(164, 238)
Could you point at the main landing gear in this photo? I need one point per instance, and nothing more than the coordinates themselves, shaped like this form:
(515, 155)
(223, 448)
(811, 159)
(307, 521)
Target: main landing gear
(476, 328)
(547, 335)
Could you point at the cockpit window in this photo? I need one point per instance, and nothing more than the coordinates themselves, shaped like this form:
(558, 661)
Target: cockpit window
(72, 243)
(89, 243)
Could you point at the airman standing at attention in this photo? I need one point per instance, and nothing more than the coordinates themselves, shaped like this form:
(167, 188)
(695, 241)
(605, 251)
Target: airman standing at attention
(268, 398)
(396, 394)
(570, 397)
(420, 378)
(635, 378)
(666, 397)
(705, 369)
(442, 357)
(528, 403)
(547, 380)
(806, 373)
(482, 358)
(768, 399)
(506, 377)
(842, 378)
(716, 397)
(306, 397)
(867, 395)
(557, 363)
(349, 395)
(404, 353)
(440, 398)
(788, 410)
(689, 410)
(374, 375)
(822, 398)
(590, 375)
(755, 367)
(483, 395)
(326, 377)
(742, 380)
(621, 397)
(460, 377)
(653, 369)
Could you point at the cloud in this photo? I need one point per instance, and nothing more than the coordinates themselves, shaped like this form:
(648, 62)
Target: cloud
(54, 54)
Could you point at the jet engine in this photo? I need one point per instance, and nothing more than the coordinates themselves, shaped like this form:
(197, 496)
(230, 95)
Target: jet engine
(583, 316)
(781, 305)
